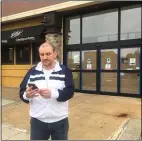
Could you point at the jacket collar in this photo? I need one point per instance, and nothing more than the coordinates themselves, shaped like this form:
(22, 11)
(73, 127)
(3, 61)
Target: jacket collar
(57, 66)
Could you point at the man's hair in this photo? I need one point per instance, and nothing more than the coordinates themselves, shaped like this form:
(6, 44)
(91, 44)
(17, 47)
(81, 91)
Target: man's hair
(48, 43)
(53, 45)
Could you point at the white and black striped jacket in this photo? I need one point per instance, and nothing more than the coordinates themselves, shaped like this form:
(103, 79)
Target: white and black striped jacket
(62, 89)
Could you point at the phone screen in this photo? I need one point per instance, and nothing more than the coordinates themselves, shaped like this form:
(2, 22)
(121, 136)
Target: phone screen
(33, 86)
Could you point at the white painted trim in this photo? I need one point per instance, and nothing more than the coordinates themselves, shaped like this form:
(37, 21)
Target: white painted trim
(57, 7)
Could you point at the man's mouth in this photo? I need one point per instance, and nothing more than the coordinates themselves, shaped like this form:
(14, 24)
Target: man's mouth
(45, 61)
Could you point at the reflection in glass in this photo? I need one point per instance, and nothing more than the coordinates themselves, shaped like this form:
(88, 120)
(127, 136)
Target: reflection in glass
(101, 26)
(129, 83)
(74, 60)
(131, 23)
(130, 59)
(72, 31)
(76, 78)
(89, 81)
(35, 54)
(109, 59)
(89, 59)
(109, 82)
(7, 55)
(21, 52)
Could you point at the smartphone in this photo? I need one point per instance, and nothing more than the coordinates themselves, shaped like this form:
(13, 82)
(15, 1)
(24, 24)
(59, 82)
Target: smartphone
(33, 86)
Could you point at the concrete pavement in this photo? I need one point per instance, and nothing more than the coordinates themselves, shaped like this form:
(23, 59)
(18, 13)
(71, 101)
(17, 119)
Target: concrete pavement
(129, 130)
(9, 132)
(132, 131)
(92, 117)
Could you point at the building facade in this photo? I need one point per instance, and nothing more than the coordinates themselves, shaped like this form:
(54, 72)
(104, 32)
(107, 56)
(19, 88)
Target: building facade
(99, 41)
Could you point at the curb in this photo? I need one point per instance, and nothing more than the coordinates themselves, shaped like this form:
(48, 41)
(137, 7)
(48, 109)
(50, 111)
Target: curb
(117, 133)
(12, 127)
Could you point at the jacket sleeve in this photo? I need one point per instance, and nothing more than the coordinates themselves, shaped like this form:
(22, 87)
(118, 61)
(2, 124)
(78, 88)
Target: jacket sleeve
(23, 85)
(68, 91)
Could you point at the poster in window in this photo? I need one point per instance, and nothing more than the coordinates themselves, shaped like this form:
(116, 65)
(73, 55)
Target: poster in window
(108, 60)
(132, 61)
(89, 66)
(76, 59)
(107, 66)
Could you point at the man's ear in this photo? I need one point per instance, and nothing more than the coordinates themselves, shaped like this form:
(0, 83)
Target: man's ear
(55, 53)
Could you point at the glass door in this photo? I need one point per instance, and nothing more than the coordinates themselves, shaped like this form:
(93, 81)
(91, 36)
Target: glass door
(108, 70)
(130, 70)
(89, 69)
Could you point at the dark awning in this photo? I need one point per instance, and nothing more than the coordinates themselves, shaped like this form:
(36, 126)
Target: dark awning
(23, 35)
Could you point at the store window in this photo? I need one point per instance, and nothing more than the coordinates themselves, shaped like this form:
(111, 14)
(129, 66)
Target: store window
(23, 54)
(7, 54)
(109, 82)
(72, 30)
(89, 81)
(131, 23)
(109, 59)
(89, 58)
(35, 54)
(76, 79)
(130, 59)
(129, 83)
(100, 27)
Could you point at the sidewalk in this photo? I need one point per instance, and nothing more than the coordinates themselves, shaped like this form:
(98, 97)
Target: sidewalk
(132, 131)
(92, 117)
(9, 132)
(129, 130)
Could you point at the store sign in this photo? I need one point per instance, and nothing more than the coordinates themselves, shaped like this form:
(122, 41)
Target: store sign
(22, 35)
(24, 39)
(16, 33)
(4, 41)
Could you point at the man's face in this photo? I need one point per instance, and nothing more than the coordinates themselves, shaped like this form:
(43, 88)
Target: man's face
(47, 55)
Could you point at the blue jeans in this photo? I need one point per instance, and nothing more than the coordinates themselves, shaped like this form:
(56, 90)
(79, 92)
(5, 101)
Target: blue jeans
(42, 131)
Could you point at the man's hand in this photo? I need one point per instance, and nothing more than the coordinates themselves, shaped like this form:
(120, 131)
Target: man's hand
(31, 93)
(45, 93)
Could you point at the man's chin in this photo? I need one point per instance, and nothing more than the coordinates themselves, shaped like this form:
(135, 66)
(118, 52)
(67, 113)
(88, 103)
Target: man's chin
(46, 64)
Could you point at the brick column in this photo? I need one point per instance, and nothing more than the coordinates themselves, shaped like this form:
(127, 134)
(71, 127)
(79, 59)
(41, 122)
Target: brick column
(53, 24)
(55, 39)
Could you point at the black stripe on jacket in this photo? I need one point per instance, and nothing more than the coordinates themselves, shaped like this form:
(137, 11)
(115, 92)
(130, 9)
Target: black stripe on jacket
(64, 94)
(68, 91)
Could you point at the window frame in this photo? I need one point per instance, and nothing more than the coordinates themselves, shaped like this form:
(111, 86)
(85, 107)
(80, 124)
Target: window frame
(29, 53)
(120, 14)
(37, 45)
(102, 45)
(7, 63)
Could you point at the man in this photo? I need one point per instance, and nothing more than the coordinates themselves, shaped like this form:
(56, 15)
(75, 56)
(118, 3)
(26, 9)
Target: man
(49, 101)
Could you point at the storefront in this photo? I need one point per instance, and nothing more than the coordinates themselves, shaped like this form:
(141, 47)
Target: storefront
(102, 47)
(22, 41)
(19, 47)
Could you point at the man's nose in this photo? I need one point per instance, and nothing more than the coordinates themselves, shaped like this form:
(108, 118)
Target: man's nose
(45, 57)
